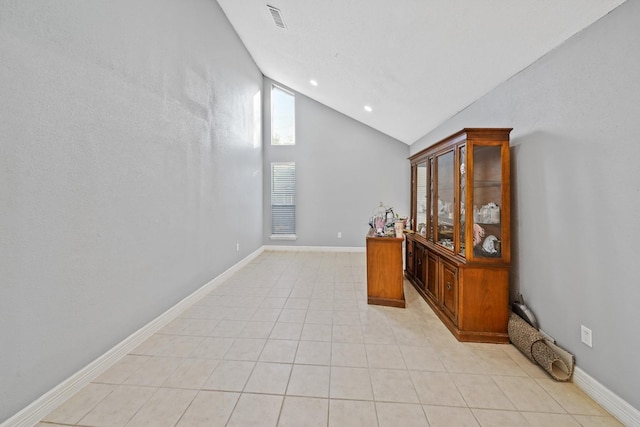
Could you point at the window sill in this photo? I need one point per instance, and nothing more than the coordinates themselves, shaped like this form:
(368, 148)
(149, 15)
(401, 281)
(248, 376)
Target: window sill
(283, 237)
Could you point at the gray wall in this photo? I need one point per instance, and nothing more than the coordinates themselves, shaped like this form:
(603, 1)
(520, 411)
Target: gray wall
(344, 169)
(130, 166)
(576, 191)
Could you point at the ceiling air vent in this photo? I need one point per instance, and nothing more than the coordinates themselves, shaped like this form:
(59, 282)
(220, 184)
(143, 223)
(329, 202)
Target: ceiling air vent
(277, 17)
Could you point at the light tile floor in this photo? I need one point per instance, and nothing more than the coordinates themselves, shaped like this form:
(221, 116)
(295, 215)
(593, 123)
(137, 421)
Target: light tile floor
(289, 340)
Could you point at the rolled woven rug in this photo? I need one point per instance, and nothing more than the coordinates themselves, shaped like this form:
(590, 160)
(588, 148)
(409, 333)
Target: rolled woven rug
(523, 335)
(557, 362)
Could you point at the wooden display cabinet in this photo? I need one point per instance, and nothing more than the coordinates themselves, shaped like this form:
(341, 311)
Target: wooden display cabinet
(459, 256)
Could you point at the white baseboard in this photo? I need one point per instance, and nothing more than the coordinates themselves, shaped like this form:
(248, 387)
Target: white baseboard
(314, 248)
(49, 401)
(619, 408)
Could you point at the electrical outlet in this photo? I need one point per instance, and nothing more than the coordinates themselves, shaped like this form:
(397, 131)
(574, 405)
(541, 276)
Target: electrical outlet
(339, 234)
(237, 247)
(585, 335)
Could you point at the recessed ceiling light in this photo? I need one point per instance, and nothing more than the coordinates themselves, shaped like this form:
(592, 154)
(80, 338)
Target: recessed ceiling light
(368, 109)
(313, 82)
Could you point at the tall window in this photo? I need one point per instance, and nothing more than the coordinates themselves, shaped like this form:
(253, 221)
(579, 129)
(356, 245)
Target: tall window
(283, 200)
(283, 117)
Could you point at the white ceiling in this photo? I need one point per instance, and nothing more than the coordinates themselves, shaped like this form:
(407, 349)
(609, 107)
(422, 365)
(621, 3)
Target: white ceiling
(415, 62)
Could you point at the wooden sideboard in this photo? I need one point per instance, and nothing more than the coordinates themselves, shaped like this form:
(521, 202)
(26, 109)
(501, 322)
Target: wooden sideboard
(384, 270)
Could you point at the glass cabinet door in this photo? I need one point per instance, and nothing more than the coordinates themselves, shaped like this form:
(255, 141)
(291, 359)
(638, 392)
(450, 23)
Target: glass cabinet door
(487, 191)
(444, 202)
(432, 189)
(462, 172)
(420, 219)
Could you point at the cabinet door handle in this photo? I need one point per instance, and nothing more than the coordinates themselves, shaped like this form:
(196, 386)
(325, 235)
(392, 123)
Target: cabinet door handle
(448, 286)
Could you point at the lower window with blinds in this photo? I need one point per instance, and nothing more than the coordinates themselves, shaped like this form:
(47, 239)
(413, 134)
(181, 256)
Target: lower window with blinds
(283, 201)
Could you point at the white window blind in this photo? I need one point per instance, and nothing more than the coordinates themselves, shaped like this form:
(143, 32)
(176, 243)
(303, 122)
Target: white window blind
(283, 200)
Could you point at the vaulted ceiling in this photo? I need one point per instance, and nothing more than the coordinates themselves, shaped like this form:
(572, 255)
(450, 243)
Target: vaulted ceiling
(415, 63)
